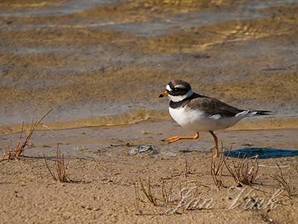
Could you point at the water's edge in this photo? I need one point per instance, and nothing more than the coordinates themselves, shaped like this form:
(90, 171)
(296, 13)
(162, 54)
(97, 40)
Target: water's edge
(131, 118)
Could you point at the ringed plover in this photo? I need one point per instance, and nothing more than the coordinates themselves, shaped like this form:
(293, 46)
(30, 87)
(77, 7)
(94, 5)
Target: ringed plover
(201, 113)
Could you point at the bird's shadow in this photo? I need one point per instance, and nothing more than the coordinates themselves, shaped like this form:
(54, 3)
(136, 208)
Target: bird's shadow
(261, 153)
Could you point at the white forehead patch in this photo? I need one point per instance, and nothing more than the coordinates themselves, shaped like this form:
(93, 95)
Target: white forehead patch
(180, 86)
(168, 88)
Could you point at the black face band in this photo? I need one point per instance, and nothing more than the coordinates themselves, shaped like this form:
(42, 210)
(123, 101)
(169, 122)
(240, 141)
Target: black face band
(178, 92)
(171, 85)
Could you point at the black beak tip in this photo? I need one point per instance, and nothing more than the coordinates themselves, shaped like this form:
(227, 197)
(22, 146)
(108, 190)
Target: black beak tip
(161, 95)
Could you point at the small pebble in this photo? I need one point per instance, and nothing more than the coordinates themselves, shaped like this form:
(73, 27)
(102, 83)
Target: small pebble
(143, 149)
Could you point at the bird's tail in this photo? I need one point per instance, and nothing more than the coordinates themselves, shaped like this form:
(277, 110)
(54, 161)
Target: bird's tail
(259, 112)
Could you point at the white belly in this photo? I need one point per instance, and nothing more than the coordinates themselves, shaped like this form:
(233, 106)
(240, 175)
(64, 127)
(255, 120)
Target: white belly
(196, 120)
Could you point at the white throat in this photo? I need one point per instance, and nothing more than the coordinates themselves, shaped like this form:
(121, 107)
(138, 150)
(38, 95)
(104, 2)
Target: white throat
(180, 98)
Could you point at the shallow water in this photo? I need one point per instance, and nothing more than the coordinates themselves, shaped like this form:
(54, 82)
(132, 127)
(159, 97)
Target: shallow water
(262, 153)
(66, 8)
(92, 70)
(189, 20)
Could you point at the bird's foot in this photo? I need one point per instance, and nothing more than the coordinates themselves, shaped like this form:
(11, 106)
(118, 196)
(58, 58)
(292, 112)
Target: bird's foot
(172, 139)
(177, 138)
(215, 156)
(215, 152)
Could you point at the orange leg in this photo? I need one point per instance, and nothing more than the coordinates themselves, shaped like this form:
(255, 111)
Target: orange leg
(216, 155)
(178, 138)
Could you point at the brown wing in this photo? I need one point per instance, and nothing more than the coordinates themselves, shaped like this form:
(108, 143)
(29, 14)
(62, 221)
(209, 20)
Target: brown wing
(213, 106)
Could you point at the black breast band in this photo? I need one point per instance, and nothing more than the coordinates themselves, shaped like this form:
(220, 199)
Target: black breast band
(182, 103)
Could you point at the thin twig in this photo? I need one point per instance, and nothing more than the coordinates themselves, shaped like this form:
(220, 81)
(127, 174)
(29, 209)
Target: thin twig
(244, 171)
(17, 152)
(285, 183)
(60, 170)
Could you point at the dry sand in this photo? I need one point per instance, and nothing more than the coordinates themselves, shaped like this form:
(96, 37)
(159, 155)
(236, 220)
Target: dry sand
(105, 178)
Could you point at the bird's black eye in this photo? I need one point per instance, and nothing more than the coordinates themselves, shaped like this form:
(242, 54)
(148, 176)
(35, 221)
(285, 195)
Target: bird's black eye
(178, 91)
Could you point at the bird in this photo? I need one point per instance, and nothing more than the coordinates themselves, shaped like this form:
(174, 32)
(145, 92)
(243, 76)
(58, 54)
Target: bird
(200, 113)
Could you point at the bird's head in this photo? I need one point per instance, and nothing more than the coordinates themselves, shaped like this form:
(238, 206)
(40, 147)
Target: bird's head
(177, 90)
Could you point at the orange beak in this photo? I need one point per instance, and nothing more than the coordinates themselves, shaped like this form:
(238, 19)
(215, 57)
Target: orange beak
(165, 93)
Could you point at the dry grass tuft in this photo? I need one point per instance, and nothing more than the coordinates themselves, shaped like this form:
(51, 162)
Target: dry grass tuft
(169, 197)
(146, 190)
(24, 142)
(217, 165)
(284, 182)
(159, 196)
(244, 171)
(60, 173)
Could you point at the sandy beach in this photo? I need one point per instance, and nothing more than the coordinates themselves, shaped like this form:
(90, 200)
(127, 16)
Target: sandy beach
(100, 65)
(105, 174)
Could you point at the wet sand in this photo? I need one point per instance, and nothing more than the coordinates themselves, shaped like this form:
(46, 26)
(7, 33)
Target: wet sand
(99, 138)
